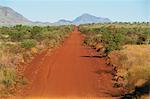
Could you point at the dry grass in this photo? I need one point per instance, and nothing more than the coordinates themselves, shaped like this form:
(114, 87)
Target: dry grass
(9, 55)
(133, 64)
(10, 79)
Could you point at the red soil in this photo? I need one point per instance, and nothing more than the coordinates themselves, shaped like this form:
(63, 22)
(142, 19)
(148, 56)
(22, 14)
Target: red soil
(69, 72)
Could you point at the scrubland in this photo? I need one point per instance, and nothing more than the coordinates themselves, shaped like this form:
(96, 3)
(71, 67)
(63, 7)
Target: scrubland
(18, 45)
(125, 46)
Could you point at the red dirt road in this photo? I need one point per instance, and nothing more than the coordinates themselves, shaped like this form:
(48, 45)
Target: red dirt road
(68, 72)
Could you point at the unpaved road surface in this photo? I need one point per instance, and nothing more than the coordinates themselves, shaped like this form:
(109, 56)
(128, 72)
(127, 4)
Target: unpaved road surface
(69, 72)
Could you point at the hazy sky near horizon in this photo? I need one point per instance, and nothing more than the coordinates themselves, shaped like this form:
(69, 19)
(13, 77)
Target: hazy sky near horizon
(53, 10)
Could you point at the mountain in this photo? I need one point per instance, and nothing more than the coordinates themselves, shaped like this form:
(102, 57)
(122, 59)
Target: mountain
(87, 18)
(63, 22)
(9, 17)
(40, 23)
(84, 19)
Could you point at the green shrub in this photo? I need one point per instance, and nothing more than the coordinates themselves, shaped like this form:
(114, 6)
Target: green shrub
(36, 32)
(16, 35)
(29, 43)
(112, 41)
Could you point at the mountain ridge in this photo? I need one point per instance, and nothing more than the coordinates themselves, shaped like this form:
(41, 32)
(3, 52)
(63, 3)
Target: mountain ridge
(85, 19)
(8, 16)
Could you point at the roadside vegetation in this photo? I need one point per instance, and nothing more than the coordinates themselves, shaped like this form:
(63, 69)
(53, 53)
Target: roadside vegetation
(18, 45)
(126, 48)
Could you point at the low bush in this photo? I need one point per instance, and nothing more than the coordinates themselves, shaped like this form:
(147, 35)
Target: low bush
(112, 41)
(131, 33)
(29, 43)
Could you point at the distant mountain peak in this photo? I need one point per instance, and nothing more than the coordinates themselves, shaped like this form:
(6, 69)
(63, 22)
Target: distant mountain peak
(63, 20)
(88, 18)
(86, 14)
(84, 19)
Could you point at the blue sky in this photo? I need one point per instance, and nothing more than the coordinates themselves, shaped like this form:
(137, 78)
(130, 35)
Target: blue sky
(53, 10)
